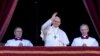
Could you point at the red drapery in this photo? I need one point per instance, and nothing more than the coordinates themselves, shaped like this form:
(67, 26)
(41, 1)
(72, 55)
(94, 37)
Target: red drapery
(93, 9)
(7, 8)
(49, 51)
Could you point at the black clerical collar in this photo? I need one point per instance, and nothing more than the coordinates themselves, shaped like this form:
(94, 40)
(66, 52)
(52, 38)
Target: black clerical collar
(18, 39)
(84, 37)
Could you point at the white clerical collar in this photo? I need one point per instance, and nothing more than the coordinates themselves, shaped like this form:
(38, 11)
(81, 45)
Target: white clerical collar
(55, 27)
(84, 35)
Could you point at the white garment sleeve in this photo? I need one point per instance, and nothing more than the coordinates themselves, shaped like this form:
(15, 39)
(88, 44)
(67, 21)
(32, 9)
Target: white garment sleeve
(44, 28)
(46, 24)
(65, 39)
(73, 43)
(29, 44)
(7, 43)
(95, 43)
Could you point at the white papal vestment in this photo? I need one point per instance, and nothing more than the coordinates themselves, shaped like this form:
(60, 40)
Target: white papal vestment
(13, 42)
(88, 42)
(53, 36)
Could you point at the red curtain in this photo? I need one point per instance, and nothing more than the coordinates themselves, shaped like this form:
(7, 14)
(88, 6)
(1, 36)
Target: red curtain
(7, 8)
(93, 9)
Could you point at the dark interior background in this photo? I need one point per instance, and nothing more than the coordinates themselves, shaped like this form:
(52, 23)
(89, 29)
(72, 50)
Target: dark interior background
(31, 14)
